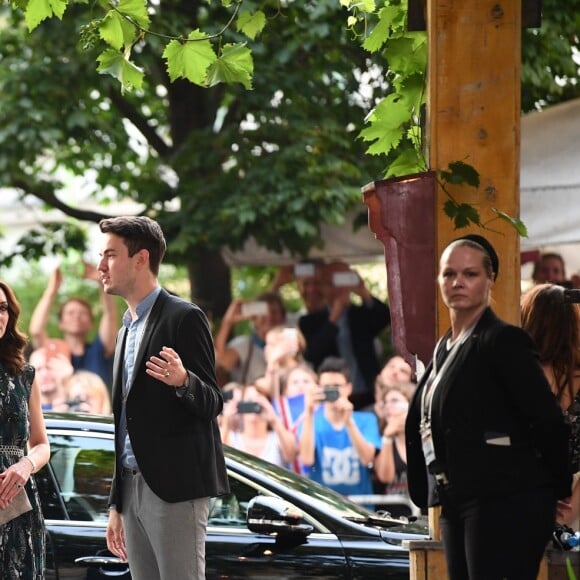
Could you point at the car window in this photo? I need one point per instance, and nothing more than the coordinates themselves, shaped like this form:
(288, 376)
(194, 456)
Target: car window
(83, 467)
(230, 510)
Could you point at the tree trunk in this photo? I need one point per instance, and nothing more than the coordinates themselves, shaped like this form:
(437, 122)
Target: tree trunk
(210, 280)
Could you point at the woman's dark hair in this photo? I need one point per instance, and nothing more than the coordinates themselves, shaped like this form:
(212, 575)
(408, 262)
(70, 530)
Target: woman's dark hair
(13, 341)
(554, 324)
(138, 233)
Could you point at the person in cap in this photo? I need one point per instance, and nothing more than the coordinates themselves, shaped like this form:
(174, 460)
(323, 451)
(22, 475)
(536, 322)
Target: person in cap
(486, 438)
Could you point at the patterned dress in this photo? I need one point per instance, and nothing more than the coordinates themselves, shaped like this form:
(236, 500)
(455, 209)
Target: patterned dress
(573, 417)
(22, 540)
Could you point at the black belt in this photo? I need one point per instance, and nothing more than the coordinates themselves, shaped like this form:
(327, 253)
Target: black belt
(125, 471)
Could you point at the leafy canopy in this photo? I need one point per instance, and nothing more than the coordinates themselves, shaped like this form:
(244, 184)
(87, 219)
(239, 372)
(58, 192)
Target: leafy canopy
(122, 25)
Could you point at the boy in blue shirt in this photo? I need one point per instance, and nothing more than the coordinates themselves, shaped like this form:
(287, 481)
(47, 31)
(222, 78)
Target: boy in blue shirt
(338, 443)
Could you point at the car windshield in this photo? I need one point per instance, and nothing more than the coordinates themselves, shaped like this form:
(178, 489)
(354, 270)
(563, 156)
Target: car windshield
(309, 491)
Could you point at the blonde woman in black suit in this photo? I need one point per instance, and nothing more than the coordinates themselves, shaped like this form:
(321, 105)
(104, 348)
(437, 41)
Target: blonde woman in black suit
(486, 438)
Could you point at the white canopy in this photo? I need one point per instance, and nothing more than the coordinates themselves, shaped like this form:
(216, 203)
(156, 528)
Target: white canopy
(550, 175)
(550, 181)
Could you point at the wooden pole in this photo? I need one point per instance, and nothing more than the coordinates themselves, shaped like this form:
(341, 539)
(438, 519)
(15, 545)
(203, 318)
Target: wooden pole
(474, 116)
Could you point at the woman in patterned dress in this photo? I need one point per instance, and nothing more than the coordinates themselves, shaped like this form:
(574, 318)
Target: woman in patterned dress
(551, 315)
(24, 449)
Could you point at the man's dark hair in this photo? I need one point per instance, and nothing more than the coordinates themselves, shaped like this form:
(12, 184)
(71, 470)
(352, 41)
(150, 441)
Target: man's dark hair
(334, 364)
(138, 233)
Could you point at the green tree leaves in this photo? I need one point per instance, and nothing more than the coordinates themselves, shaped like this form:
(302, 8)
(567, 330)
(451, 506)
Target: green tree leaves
(117, 31)
(199, 57)
(38, 10)
(189, 60)
(251, 24)
(113, 63)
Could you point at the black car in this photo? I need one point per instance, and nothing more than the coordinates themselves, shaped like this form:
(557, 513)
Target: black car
(273, 524)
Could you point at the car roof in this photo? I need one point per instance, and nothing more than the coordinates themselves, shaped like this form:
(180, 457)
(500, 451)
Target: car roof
(80, 421)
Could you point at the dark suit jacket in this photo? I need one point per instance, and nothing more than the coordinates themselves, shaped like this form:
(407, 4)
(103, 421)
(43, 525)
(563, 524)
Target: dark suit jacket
(175, 439)
(365, 323)
(494, 389)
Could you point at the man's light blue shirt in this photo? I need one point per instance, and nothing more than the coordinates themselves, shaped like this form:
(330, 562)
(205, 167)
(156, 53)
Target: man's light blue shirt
(135, 329)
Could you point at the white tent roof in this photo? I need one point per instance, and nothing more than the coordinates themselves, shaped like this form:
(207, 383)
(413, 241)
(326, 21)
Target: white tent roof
(550, 175)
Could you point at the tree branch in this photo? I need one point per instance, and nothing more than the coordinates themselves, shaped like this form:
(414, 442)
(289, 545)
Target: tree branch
(126, 109)
(49, 197)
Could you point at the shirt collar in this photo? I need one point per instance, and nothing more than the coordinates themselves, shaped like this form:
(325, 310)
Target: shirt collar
(143, 307)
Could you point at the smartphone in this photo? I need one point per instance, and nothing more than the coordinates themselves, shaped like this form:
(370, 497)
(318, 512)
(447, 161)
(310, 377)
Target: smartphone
(343, 279)
(331, 394)
(303, 270)
(245, 407)
(254, 308)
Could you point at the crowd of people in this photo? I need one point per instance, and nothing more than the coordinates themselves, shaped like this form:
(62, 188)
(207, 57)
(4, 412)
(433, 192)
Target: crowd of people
(314, 392)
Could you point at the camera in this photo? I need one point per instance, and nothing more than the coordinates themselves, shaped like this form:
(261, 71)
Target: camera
(76, 405)
(331, 394)
(572, 296)
(245, 407)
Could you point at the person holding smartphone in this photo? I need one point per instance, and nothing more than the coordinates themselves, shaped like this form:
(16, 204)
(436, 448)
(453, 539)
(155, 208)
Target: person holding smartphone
(242, 356)
(341, 328)
(261, 431)
(337, 444)
(391, 463)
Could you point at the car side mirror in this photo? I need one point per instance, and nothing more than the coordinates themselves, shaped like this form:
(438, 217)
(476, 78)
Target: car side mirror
(275, 516)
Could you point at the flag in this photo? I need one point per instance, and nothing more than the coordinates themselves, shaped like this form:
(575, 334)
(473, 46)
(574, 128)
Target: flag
(291, 411)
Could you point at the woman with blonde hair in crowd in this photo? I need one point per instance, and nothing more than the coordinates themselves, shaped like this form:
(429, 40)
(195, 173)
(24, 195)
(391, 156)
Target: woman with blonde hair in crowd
(283, 352)
(551, 315)
(87, 393)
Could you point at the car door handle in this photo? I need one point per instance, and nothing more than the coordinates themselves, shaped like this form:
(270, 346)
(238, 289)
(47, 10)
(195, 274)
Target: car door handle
(104, 562)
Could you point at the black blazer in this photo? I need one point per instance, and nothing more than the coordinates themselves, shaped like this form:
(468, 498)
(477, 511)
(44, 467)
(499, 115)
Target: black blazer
(494, 389)
(175, 439)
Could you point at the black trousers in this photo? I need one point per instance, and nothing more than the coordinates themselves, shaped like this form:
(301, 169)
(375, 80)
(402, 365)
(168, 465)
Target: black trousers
(499, 538)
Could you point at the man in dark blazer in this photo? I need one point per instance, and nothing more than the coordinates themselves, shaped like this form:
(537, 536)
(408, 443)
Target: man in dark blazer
(169, 458)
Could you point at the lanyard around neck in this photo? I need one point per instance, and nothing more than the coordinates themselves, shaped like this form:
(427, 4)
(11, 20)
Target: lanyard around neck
(436, 374)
